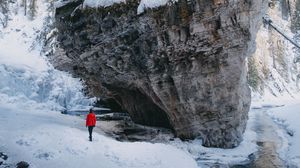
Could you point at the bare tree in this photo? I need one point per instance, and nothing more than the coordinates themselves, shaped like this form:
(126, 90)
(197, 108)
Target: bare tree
(32, 9)
(25, 7)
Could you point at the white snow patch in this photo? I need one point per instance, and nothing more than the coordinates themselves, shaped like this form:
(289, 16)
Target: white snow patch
(101, 3)
(144, 4)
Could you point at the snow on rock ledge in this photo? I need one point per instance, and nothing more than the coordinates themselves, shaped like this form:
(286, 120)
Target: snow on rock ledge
(101, 3)
(144, 4)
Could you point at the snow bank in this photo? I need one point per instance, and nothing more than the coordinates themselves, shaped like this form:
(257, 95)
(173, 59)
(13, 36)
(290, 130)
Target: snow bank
(289, 117)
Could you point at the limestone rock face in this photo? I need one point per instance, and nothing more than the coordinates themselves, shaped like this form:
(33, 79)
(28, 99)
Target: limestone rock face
(180, 66)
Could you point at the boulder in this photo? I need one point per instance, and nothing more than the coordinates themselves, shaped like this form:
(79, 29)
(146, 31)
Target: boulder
(22, 164)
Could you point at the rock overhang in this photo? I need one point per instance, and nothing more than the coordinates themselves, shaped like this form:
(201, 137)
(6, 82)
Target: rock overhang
(180, 66)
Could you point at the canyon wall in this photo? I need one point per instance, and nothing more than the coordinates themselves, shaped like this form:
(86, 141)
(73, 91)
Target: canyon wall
(274, 67)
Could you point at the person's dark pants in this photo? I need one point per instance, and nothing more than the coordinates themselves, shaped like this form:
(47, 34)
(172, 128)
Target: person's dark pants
(90, 131)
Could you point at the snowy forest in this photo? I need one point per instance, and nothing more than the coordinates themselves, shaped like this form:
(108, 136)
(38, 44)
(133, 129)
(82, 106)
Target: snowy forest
(149, 83)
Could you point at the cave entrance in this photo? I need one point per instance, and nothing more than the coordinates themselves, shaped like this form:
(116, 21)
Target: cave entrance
(140, 107)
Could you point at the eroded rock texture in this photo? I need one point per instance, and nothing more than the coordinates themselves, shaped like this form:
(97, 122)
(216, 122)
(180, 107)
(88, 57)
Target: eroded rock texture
(180, 66)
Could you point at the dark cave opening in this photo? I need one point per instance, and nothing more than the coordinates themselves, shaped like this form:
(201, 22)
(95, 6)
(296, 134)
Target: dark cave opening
(140, 107)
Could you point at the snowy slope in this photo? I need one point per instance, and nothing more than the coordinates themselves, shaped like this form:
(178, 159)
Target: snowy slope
(26, 75)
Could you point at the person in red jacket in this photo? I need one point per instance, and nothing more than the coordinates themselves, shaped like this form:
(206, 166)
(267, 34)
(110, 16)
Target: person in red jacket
(90, 122)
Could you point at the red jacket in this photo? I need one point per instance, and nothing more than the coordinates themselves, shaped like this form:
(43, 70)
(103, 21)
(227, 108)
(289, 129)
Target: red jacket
(90, 119)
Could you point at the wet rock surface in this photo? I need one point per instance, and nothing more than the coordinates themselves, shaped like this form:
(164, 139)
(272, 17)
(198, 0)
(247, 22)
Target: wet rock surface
(127, 130)
(179, 66)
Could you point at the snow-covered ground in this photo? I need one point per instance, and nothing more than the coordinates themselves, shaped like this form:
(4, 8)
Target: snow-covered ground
(285, 111)
(288, 117)
(48, 139)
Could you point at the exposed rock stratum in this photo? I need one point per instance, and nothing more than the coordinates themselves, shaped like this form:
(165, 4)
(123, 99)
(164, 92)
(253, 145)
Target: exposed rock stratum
(180, 66)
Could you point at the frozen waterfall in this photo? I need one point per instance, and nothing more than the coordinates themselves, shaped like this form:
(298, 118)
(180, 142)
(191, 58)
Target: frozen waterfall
(27, 78)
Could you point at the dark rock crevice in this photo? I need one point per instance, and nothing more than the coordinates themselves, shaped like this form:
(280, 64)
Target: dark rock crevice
(180, 66)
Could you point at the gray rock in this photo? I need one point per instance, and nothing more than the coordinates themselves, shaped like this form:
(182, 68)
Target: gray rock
(180, 66)
(3, 156)
(22, 164)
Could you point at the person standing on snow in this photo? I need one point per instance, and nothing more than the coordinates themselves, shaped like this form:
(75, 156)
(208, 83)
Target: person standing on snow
(90, 122)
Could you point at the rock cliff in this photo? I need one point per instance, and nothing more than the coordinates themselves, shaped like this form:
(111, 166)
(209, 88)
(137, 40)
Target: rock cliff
(180, 66)
(274, 67)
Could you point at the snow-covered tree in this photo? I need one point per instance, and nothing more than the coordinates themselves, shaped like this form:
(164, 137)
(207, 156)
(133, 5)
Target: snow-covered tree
(32, 9)
(3, 13)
